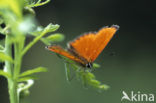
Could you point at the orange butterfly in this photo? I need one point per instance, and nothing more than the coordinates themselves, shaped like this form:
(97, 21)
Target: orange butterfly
(86, 48)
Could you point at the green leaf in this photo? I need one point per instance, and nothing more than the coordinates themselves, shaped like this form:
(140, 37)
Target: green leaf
(38, 3)
(5, 74)
(23, 79)
(91, 81)
(51, 28)
(38, 31)
(30, 72)
(1, 47)
(95, 65)
(5, 30)
(83, 77)
(55, 37)
(30, 10)
(103, 87)
(4, 57)
(88, 78)
(45, 41)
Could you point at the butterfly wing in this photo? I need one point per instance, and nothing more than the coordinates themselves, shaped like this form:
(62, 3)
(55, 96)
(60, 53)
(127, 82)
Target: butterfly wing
(59, 50)
(91, 45)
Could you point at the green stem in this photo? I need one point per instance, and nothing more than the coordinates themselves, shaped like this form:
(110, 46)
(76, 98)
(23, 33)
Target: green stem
(38, 3)
(18, 47)
(12, 84)
(18, 60)
(36, 39)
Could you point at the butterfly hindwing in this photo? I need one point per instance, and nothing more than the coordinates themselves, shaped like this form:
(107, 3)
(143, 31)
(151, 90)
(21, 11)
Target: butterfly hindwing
(59, 50)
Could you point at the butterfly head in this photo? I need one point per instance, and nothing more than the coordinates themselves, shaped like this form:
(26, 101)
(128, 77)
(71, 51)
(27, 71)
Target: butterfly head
(89, 65)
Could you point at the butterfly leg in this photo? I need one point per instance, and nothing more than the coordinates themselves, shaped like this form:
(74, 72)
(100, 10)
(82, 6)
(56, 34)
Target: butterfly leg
(69, 76)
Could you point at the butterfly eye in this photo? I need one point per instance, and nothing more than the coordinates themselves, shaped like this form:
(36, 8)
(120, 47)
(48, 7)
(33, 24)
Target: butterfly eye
(89, 65)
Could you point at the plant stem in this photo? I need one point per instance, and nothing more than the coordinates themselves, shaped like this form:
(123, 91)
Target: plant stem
(38, 3)
(18, 60)
(36, 39)
(12, 84)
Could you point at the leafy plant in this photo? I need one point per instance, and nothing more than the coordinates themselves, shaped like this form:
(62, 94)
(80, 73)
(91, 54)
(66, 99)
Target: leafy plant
(84, 74)
(17, 26)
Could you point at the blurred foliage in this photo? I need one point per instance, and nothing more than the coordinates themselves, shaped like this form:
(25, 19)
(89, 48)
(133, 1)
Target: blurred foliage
(17, 27)
(4, 57)
(84, 74)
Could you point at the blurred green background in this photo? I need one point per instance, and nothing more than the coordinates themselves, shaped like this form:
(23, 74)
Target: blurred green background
(132, 67)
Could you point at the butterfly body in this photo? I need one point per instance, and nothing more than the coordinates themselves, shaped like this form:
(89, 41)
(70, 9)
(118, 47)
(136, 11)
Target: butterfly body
(86, 48)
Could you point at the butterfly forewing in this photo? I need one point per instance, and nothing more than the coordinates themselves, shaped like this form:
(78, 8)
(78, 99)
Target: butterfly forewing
(90, 45)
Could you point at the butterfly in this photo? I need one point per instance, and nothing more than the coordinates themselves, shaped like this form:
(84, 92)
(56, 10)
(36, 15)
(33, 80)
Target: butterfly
(86, 48)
